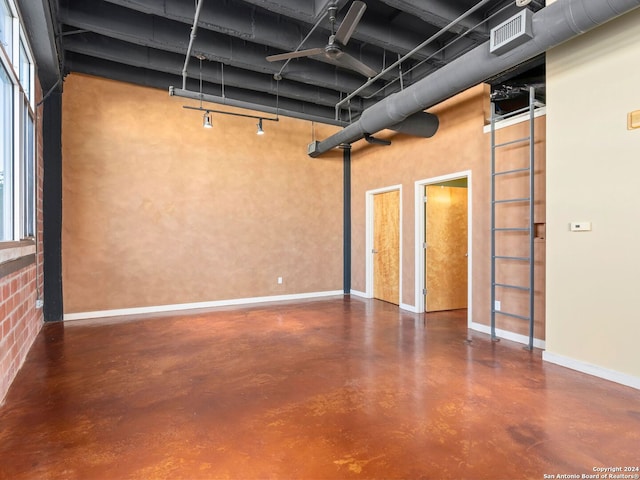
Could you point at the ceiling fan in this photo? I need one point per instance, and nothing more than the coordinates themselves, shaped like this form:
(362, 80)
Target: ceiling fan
(333, 51)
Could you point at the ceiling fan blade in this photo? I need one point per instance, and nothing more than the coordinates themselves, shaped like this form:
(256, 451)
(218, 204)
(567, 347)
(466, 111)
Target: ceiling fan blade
(347, 61)
(350, 22)
(297, 54)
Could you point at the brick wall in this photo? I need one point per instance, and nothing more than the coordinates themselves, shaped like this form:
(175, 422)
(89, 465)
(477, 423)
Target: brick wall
(20, 320)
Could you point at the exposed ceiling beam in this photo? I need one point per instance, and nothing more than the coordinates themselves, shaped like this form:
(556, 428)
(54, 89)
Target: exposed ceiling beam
(372, 30)
(440, 13)
(94, 45)
(307, 11)
(245, 21)
(250, 24)
(163, 34)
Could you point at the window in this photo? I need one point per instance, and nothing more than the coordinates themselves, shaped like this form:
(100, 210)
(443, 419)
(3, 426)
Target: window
(6, 157)
(25, 70)
(6, 27)
(28, 175)
(17, 129)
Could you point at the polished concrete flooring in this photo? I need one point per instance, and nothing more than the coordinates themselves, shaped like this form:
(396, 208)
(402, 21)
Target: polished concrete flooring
(325, 389)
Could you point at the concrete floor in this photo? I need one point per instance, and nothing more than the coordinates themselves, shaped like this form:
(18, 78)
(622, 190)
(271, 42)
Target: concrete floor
(325, 389)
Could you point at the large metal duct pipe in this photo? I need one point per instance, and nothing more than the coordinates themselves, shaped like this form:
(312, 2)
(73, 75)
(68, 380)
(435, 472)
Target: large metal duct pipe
(552, 26)
(420, 124)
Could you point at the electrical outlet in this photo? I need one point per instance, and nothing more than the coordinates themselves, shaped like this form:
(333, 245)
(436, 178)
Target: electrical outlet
(279, 280)
(497, 305)
(39, 303)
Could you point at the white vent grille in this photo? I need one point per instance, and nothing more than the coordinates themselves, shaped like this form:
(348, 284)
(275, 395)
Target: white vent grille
(512, 32)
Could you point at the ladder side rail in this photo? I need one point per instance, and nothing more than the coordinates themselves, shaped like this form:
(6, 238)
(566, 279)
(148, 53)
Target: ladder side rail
(493, 221)
(532, 105)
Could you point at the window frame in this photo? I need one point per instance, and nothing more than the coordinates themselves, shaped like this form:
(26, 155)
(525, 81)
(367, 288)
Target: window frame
(18, 63)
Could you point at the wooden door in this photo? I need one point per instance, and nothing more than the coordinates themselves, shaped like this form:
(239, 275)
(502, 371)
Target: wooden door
(446, 252)
(386, 246)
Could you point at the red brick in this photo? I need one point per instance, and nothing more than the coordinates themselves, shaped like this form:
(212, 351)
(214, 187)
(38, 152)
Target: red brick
(4, 348)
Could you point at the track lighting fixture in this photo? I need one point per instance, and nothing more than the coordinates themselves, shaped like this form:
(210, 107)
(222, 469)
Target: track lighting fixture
(206, 120)
(206, 117)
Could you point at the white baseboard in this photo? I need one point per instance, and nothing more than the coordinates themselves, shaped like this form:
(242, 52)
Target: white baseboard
(359, 294)
(514, 337)
(596, 371)
(193, 306)
(403, 306)
(408, 308)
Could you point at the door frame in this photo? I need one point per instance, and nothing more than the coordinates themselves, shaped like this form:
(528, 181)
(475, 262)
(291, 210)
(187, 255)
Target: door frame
(420, 237)
(369, 239)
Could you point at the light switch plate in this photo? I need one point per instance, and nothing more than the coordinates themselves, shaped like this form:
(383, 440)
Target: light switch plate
(580, 226)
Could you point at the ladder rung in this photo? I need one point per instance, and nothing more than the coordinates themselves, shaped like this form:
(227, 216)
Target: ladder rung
(517, 140)
(514, 287)
(512, 200)
(511, 229)
(513, 113)
(513, 315)
(505, 257)
(508, 172)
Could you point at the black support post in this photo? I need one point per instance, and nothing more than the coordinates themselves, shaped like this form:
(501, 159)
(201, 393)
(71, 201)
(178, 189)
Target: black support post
(346, 156)
(52, 207)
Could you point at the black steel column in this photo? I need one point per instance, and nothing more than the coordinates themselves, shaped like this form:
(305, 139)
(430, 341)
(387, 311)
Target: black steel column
(52, 206)
(346, 249)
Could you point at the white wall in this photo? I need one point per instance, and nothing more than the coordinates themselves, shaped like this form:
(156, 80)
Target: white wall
(593, 170)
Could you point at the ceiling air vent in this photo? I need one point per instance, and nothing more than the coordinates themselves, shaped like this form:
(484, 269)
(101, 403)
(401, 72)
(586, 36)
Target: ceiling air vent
(511, 33)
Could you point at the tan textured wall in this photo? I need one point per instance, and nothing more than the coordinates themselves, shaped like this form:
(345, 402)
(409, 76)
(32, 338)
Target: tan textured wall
(593, 171)
(459, 145)
(158, 210)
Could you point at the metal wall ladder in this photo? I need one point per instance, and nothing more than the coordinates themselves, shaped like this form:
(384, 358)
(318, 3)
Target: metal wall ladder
(512, 241)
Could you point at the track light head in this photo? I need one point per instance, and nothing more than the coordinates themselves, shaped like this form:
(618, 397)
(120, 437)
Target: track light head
(206, 120)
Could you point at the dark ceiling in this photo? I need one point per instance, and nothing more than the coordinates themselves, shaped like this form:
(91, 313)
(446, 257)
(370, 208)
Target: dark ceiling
(145, 42)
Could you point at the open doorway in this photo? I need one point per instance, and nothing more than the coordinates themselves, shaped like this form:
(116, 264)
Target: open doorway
(446, 245)
(443, 243)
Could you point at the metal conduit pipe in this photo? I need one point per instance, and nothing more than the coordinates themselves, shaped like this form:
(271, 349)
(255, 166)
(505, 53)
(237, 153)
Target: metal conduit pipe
(552, 26)
(192, 39)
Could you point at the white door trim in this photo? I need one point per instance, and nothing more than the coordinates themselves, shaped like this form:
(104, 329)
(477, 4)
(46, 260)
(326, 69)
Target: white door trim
(420, 238)
(369, 238)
